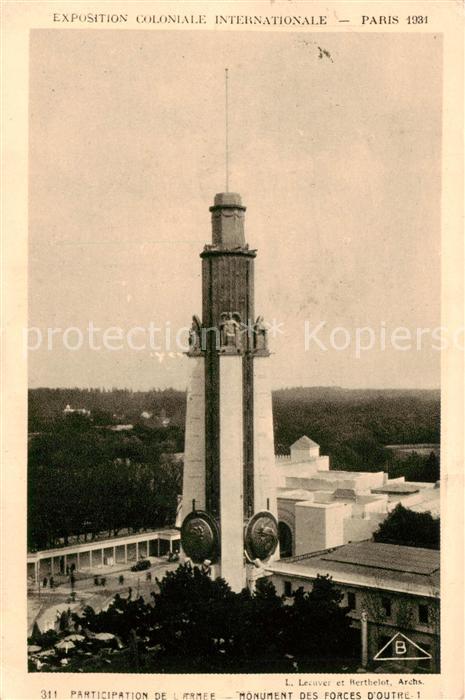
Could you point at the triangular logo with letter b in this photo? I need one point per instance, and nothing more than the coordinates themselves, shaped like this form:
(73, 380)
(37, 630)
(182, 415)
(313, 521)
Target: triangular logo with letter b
(400, 648)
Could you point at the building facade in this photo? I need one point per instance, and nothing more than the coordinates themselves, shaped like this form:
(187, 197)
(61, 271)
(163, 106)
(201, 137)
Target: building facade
(392, 590)
(319, 507)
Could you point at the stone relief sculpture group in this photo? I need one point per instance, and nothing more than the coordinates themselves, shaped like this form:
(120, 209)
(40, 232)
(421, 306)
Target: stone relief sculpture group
(231, 335)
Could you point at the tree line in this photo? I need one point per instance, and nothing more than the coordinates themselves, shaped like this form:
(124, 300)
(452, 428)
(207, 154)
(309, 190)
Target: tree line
(352, 426)
(83, 481)
(106, 405)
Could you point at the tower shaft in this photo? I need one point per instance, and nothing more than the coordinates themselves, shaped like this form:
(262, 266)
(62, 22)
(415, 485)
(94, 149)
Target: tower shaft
(228, 287)
(229, 455)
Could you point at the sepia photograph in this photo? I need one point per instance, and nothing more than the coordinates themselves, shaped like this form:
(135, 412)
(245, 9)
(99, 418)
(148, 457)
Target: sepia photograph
(234, 352)
(234, 341)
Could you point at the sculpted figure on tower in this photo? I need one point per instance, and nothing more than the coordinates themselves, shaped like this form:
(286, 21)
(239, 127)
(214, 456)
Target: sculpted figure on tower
(230, 332)
(195, 337)
(260, 335)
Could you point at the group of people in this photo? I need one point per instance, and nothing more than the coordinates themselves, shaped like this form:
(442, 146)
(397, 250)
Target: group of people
(98, 580)
(50, 581)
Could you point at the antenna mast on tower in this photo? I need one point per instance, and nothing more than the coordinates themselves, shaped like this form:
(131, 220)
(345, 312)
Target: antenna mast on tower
(226, 86)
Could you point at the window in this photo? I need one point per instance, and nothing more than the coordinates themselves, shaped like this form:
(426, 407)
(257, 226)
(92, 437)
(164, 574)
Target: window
(351, 601)
(285, 540)
(386, 603)
(287, 588)
(423, 614)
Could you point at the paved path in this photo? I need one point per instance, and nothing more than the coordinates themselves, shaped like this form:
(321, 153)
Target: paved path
(43, 609)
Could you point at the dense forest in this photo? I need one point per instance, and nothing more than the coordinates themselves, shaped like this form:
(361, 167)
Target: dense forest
(83, 481)
(329, 415)
(353, 427)
(85, 476)
(106, 405)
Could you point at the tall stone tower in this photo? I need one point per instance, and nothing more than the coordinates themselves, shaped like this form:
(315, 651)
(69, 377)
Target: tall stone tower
(229, 494)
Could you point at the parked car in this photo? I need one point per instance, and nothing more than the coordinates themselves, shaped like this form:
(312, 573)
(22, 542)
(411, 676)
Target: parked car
(141, 565)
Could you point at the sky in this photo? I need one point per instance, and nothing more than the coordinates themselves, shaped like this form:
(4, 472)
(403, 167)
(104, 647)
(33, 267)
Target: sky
(337, 159)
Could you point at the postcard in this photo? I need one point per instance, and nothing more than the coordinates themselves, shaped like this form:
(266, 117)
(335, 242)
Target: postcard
(233, 350)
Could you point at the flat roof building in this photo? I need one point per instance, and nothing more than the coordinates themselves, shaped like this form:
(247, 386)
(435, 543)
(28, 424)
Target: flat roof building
(390, 589)
(319, 507)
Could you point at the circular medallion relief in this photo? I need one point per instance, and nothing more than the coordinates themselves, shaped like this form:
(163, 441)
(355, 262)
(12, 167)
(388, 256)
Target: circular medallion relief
(261, 536)
(200, 537)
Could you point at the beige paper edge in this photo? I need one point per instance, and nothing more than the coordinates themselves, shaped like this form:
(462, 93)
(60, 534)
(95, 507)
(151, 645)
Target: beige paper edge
(18, 17)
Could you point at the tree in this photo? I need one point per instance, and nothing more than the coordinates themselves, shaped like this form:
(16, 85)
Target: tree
(84, 480)
(318, 631)
(414, 467)
(197, 624)
(406, 527)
